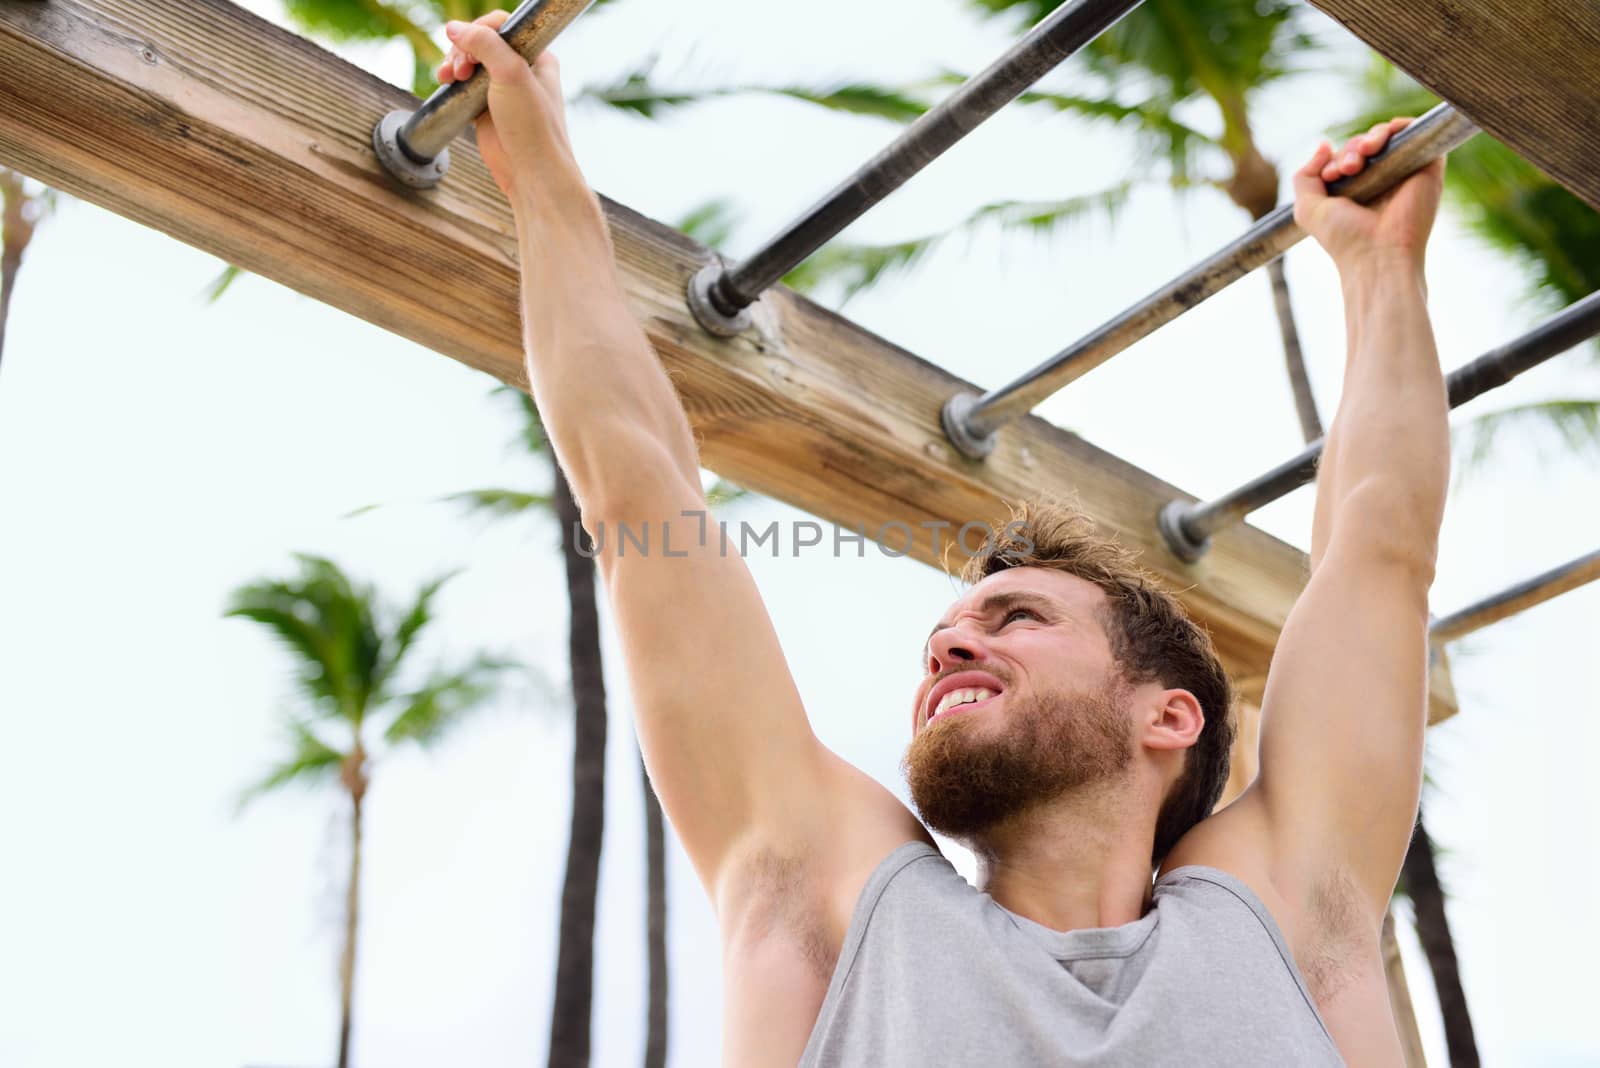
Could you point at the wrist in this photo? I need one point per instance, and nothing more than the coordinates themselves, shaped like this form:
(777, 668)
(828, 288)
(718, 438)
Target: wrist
(1385, 266)
(556, 191)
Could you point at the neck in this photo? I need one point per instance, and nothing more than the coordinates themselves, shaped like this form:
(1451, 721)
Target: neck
(1080, 861)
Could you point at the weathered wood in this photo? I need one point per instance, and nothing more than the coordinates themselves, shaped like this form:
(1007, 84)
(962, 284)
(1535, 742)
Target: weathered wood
(1527, 71)
(201, 120)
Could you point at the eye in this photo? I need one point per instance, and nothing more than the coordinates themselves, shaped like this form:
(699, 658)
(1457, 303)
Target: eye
(1026, 613)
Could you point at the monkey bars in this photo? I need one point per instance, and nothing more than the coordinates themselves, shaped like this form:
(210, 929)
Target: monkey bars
(1188, 527)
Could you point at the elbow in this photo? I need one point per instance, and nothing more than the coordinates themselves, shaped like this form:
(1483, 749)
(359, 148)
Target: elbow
(1394, 525)
(620, 472)
(646, 485)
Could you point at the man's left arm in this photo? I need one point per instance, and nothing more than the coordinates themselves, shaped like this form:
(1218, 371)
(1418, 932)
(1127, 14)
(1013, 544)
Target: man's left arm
(1345, 706)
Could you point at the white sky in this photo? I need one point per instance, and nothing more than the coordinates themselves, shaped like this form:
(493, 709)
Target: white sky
(159, 452)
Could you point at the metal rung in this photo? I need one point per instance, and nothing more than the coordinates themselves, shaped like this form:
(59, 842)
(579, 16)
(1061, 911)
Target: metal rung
(971, 422)
(1188, 527)
(1518, 598)
(719, 295)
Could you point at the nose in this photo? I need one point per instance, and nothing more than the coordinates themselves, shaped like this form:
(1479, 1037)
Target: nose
(951, 646)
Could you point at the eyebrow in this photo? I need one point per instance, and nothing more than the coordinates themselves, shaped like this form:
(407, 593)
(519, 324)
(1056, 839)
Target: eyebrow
(997, 602)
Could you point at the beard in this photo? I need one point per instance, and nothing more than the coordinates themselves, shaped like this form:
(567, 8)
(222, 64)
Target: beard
(967, 776)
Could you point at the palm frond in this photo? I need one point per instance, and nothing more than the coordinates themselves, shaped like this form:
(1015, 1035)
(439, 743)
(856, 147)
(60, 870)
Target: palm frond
(533, 437)
(1183, 43)
(1201, 46)
(712, 223)
(406, 630)
(724, 492)
(275, 606)
(500, 503)
(219, 285)
(441, 703)
(857, 98)
(1160, 137)
(854, 268)
(311, 762)
(637, 93)
(360, 20)
(329, 623)
(1573, 424)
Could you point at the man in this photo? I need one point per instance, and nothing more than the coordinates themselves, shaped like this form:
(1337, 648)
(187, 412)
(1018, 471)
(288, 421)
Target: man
(1072, 726)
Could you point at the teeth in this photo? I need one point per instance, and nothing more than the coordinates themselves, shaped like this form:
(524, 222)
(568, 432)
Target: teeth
(962, 697)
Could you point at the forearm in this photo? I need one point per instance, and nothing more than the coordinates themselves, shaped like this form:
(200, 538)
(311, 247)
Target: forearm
(1385, 468)
(610, 411)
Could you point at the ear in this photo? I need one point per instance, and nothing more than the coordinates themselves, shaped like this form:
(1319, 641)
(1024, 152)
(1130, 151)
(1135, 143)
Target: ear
(1175, 721)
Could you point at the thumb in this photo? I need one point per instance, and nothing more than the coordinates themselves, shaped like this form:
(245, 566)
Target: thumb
(486, 47)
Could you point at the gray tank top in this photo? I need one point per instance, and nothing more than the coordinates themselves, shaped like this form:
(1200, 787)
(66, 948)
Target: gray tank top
(934, 972)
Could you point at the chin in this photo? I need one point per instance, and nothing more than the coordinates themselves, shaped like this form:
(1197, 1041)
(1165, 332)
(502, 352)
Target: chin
(966, 778)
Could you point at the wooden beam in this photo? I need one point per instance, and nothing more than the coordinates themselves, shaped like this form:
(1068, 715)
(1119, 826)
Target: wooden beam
(1527, 71)
(201, 120)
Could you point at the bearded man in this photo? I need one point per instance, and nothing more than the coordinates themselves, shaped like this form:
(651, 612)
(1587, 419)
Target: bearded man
(1072, 726)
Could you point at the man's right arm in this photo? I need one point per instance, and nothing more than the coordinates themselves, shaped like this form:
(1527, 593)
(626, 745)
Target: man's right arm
(724, 735)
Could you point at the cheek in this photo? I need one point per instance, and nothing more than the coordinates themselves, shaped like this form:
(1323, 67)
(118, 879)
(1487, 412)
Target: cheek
(1046, 664)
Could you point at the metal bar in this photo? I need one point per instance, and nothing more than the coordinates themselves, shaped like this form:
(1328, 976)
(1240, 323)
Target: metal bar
(971, 422)
(1188, 527)
(1518, 598)
(413, 144)
(720, 294)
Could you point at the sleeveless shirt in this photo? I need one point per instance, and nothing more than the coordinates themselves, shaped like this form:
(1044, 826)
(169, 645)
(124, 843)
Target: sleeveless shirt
(935, 972)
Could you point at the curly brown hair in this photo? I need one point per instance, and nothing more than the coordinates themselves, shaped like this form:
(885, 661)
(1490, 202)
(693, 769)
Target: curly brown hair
(1152, 639)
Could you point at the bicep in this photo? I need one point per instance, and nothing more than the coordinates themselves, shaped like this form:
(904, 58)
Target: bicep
(1342, 721)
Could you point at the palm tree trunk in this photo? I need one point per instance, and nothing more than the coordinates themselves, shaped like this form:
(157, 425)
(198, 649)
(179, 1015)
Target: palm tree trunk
(347, 961)
(1305, 404)
(655, 1042)
(8, 281)
(16, 230)
(1421, 878)
(574, 994)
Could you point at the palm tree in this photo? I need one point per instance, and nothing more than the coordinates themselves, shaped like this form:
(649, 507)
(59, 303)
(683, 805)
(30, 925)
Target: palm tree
(570, 1025)
(21, 209)
(354, 709)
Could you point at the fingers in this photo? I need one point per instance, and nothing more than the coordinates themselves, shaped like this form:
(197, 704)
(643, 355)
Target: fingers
(457, 65)
(468, 40)
(1352, 158)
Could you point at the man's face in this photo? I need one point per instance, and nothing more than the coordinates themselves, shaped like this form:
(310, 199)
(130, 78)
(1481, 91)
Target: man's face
(1021, 702)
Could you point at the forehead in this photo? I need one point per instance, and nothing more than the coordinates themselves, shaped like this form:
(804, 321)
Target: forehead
(1068, 592)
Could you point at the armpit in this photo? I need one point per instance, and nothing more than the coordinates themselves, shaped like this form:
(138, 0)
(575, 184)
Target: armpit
(778, 899)
(1340, 941)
